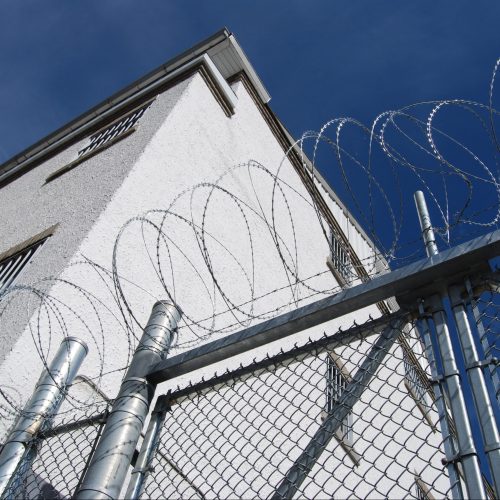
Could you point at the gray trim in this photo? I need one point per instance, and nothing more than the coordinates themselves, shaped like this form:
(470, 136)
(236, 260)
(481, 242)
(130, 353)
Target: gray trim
(171, 69)
(29, 242)
(68, 133)
(85, 157)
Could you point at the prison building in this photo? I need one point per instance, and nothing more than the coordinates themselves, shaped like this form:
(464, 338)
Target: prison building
(186, 182)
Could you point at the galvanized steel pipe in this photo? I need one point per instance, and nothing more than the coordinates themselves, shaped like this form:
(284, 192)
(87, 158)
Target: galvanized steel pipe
(425, 224)
(459, 411)
(482, 403)
(448, 443)
(148, 449)
(108, 469)
(44, 403)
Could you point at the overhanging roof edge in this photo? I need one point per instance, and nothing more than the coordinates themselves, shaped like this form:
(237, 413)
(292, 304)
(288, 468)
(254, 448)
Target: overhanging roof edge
(64, 133)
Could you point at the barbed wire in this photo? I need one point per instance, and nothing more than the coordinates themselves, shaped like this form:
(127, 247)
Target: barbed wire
(247, 246)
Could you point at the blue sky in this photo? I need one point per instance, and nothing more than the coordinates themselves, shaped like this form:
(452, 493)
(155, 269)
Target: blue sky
(318, 59)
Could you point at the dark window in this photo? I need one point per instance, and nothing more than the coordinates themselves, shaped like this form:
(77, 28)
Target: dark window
(336, 384)
(13, 266)
(341, 261)
(113, 131)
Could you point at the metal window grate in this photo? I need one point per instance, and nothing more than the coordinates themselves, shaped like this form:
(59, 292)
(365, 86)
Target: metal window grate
(116, 129)
(336, 384)
(341, 261)
(418, 391)
(12, 267)
(419, 492)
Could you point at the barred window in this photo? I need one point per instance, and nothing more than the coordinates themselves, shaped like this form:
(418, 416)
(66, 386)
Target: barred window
(113, 131)
(336, 383)
(414, 384)
(13, 266)
(420, 490)
(341, 261)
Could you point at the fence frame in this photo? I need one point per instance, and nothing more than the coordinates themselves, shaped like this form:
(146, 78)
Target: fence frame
(408, 284)
(466, 264)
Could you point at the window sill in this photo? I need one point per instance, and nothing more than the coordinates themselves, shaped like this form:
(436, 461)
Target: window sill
(340, 279)
(423, 410)
(346, 446)
(81, 159)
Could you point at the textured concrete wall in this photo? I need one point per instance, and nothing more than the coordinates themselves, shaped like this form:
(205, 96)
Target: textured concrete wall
(74, 200)
(196, 142)
(185, 139)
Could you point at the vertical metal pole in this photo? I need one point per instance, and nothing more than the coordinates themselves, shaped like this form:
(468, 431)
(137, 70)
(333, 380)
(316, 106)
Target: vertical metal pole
(466, 448)
(485, 343)
(448, 443)
(475, 374)
(109, 465)
(425, 224)
(148, 449)
(44, 403)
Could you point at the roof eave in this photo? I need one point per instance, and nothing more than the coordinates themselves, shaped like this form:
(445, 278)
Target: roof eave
(210, 45)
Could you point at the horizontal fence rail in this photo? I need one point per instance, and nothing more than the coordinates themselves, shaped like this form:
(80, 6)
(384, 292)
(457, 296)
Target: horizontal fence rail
(241, 433)
(407, 284)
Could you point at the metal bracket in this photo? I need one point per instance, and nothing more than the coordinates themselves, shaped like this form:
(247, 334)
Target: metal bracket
(163, 404)
(458, 457)
(142, 470)
(483, 363)
(437, 379)
(494, 447)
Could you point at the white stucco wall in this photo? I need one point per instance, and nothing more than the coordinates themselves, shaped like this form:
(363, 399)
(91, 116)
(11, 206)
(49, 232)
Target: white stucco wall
(185, 139)
(29, 205)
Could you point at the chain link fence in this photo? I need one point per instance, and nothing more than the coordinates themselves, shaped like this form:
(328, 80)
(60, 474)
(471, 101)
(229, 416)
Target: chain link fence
(486, 315)
(349, 416)
(56, 459)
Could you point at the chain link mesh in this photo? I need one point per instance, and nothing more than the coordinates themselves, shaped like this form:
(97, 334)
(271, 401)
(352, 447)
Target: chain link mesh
(239, 434)
(56, 459)
(350, 415)
(486, 315)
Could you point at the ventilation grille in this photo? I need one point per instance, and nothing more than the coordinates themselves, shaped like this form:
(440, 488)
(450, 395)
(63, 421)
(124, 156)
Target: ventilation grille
(12, 267)
(113, 131)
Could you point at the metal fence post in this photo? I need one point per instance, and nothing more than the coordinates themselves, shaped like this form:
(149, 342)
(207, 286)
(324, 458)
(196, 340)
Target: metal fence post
(44, 403)
(425, 224)
(148, 449)
(477, 382)
(109, 466)
(484, 340)
(448, 442)
(466, 449)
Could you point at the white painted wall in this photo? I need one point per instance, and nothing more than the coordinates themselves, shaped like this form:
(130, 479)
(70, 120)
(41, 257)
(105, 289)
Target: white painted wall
(29, 205)
(185, 139)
